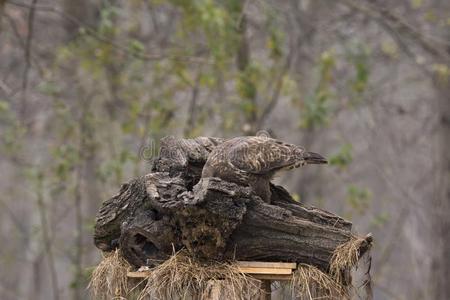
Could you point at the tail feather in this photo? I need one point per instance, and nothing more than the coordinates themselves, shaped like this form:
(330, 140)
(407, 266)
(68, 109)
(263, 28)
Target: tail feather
(314, 158)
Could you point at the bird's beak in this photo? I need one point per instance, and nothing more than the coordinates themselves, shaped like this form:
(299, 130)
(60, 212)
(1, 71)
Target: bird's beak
(314, 158)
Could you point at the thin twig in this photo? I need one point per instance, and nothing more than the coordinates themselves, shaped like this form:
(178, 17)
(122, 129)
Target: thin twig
(2, 10)
(276, 91)
(430, 44)
(119, 47)
(18, 222)
(5, 87)
(193, 105)
(27, 56)
(21, 41)
(46, 238)
(78, 259)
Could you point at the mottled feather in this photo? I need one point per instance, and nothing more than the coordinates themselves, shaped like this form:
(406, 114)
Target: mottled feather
(253, 161)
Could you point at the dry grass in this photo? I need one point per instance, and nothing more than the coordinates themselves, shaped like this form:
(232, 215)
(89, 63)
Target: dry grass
(311, 283)
(344, 258)
(308, 282)
(183, 277)
(109, 279)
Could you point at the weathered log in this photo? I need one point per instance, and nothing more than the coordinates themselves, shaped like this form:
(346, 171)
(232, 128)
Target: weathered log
(171, 208)
(116, 211)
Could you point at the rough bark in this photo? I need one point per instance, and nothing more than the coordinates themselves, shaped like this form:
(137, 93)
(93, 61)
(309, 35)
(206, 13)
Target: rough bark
(172, 208)
(440, 264)
(2, 8)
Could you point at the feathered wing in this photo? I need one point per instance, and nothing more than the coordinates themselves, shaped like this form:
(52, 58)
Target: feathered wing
(262, 155)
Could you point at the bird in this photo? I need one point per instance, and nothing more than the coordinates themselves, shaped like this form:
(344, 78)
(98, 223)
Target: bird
(253, 161)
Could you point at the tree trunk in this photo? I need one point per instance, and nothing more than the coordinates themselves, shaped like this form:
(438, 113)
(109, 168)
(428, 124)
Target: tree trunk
(440, 263)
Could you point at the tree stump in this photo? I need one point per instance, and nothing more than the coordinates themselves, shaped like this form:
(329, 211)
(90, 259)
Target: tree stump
(173, 208)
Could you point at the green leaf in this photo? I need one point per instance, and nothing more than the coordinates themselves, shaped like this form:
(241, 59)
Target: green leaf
(358, 198)
(4, 106)
(316, 108)
(359, 58)
(136, 46)
(416, 3)
(49, 88)
(343, 157)
(380, 219)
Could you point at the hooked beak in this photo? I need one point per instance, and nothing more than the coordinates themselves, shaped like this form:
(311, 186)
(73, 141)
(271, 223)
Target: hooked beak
(314, 158)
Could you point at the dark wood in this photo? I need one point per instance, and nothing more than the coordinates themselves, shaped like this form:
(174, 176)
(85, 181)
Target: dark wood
(172, 208)
(266, 290)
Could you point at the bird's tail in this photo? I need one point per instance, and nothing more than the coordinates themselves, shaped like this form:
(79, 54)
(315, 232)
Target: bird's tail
(314, 158)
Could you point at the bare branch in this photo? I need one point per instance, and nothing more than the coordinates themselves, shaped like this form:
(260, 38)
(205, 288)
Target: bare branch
(2, 6)
(121, 48)
(27, 60)
(47, 240)
(6, 89)
(276, 90)
(432, 45)
(193, 106)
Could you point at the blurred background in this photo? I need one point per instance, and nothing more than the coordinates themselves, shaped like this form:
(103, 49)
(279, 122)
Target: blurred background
(88, 86)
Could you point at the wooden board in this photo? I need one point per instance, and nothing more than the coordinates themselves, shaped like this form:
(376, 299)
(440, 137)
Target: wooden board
(259, 270)
(271, 277)
(260, 264)
(246, 270)
(143, 274)
(139, 274)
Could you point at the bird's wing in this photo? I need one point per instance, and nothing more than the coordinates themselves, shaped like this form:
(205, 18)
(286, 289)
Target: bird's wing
(261, 155)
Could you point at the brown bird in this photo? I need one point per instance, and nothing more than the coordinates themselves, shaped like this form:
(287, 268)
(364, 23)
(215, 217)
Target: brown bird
(254, 160)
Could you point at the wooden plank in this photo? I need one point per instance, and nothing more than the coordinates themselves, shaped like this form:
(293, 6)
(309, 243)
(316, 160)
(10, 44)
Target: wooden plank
(246, 267)
(139, 274)
(265, 271)
(260, 264)
(257, 276)
(272, 277)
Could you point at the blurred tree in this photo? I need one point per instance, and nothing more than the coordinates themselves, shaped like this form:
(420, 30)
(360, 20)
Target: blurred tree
(88, 88)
